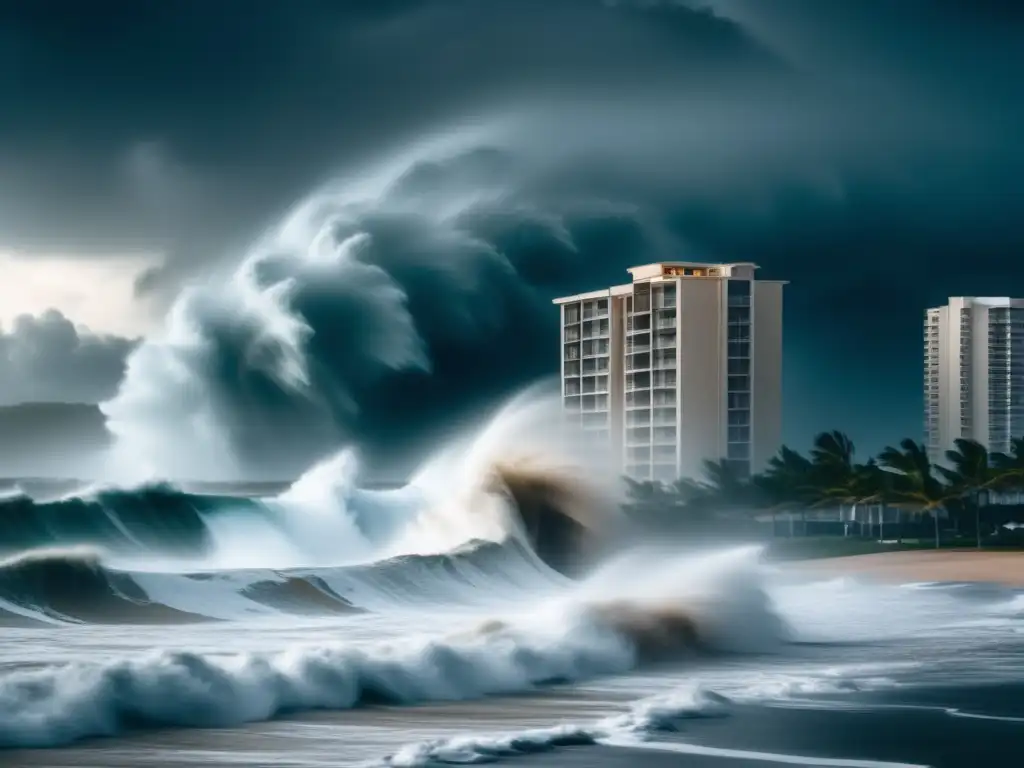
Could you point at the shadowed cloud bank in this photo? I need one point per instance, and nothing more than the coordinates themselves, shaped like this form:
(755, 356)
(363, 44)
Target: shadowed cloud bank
(411, 288)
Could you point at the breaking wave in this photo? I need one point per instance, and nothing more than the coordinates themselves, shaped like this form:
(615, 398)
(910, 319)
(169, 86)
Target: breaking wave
(496, 550)
(518, 478)
(564, 638)
(76, 586)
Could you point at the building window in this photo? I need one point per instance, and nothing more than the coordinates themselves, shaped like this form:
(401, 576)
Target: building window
(739, 434)
(665, 296)
(642, 297)
(739, 366)
(739, 418)
(739, 451)
(739, 349)
(739, 400)
(739, 383)
(739, 293)
(739, 332)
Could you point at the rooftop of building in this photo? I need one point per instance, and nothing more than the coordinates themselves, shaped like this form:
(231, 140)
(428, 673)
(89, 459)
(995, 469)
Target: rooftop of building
(661, 270)
(983, 301)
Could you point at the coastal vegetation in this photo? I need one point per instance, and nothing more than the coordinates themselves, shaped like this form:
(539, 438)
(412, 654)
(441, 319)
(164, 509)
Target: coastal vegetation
(829, 489)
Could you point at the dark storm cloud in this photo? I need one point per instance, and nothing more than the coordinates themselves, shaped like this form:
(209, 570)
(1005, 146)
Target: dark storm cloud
(866, 151)
(262, 99)
(48, 359)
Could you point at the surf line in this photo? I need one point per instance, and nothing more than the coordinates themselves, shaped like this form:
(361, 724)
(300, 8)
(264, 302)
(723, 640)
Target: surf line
(764, 757)
(870, 706)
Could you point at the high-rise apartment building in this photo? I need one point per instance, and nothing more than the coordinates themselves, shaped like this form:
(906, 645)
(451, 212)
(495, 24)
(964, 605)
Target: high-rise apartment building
(974, 372)
(681, 365)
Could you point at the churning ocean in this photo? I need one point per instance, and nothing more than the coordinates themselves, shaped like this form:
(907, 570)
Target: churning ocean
(333, 626)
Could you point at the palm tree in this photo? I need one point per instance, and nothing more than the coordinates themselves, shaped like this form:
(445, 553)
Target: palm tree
(970, 474)
(785, 484)
(650, 502)
(862, 484)
(694, 500)
(914, 485)
(724, 484)
(1010, 466)
(833, 470)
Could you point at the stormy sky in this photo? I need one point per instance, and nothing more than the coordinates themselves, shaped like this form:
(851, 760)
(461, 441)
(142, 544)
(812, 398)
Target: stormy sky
(486, 156)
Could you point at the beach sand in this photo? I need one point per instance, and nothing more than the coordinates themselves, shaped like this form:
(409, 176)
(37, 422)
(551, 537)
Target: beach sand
(953, 565)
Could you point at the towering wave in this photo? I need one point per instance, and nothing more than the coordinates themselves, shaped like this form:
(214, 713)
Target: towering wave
(520, 477)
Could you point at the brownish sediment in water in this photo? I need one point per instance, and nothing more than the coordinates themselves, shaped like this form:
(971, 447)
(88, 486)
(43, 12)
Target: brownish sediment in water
(919, 566)
(658, 632)
(567, 522)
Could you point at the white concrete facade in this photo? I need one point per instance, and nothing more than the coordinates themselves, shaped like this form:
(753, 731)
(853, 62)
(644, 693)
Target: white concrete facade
(681, 365)
(973, 372)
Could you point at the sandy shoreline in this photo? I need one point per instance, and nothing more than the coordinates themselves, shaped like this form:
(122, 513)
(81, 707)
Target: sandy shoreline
(922, 565)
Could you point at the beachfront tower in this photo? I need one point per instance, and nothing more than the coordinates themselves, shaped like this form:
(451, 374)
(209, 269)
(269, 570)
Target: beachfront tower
(682, 364)
(973, 372)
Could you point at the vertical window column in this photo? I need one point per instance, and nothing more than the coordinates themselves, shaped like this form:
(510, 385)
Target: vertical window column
(739, 365)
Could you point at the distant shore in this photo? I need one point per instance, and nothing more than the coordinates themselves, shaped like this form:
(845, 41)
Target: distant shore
(950, 565)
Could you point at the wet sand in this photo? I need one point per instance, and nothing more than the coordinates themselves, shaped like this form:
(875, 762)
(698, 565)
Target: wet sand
(953, 565)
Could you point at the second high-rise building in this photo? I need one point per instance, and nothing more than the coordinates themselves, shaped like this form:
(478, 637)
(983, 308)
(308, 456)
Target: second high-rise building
(681, 365)
(973, 373)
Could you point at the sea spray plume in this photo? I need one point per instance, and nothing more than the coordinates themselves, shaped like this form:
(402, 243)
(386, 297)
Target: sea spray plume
(178, 412)
(722, 592)
(527, 475)
(406, 266)
(451, 248)
(520, 476)
(556, 512)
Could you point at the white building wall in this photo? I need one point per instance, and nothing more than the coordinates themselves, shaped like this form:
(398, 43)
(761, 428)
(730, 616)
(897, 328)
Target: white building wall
(709, 388)
(973, 372)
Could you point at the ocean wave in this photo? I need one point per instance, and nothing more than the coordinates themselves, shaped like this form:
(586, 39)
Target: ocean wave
(643, 719)
(75, 585)
(156, 517)
(566, 639)
(510, 482)
(58, 705)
